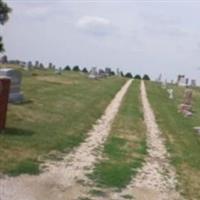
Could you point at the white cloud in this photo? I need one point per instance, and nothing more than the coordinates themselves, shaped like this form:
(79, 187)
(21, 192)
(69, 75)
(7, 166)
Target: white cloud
(95, 25)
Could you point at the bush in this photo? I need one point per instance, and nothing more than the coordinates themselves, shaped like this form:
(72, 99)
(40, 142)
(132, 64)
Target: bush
(128, 75)
(112, 73)
(137, 77)
(85, 70)
(76, 68)
(146, 77)
(67, 68)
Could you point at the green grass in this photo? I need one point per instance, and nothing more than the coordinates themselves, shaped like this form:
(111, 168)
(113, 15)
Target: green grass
(95, 192)
(125, 148)
(26, 166)
(182, 141)
(57, 113)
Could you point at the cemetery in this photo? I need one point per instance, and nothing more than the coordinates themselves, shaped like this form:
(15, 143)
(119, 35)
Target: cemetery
(25, 133)
(99, 127)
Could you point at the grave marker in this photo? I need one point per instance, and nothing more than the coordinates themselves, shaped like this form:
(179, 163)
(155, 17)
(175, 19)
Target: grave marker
(171, 93)
(4, 95)
(93, 73)
(15, 95)
(186, 106)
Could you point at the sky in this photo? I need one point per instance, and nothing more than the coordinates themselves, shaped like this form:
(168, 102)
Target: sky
(141, 37)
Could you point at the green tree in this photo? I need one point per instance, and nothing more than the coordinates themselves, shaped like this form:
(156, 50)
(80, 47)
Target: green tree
(122, 74)
(4, 16)
(137, 77)
(112, 73)
(146, 77)
(129, 75)
(85, 70)
(76, 68)
(67, 68)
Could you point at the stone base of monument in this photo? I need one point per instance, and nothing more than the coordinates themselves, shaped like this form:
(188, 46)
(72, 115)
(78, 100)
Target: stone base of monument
(197, 128)
(185, 109)
(16, 97)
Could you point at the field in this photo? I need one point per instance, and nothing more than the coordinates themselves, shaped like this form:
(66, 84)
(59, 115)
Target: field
(57, 113)
(102, 137)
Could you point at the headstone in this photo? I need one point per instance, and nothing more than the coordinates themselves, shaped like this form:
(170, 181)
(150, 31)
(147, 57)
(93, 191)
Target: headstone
(4, 95)
(101, 73)
(171, 93)
(159, 79)
(164, 85)
(93, 73)
(187, 81)
(188, 97)
(15, 95)
(186, 106)
(193, 83)
(181, 80)
(108, 71)
(50, 65)
(118, 72)
(197, 129)
(58, 71)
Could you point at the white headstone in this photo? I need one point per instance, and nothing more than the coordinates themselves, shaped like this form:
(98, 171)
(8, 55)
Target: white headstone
(93, 73)
(171, 93)
(193, 83)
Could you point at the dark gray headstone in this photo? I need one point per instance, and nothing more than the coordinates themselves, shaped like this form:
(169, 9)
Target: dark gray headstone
(15, 95)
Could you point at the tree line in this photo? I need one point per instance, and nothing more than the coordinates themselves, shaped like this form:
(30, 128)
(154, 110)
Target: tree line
(4, 16)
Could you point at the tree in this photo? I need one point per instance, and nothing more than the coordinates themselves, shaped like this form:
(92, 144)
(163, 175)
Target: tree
(41, 66)
(76, 68)
(50, 65)
(30, 65)
(4, 16)
(137, 77)
(112, 73)
(128, 75)
(122, 74)
(146, 77)
(37, 64)
(85, 70)
(67, 68)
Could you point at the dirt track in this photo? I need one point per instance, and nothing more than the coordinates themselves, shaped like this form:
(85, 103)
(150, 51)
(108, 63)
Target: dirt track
(61, 180)
(157, 179)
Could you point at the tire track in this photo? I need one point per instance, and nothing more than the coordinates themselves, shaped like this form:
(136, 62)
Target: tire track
(157, 178)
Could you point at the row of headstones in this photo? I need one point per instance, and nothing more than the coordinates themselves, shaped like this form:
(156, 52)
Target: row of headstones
(183, 81)
(15, 76)
(37, 65)
(95, 73)
(186, 105)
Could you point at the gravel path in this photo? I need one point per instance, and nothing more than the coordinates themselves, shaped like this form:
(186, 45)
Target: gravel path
(156, 180)
(63, 180)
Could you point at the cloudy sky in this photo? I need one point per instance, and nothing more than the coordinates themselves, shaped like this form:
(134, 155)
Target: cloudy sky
(138, 36)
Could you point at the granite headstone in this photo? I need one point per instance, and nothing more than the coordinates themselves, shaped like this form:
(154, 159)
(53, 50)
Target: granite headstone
(15, 95)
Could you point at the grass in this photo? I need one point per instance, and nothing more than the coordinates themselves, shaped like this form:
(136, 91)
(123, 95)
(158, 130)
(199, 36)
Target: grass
(125, 148)
(57, 113)
(182, 141)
